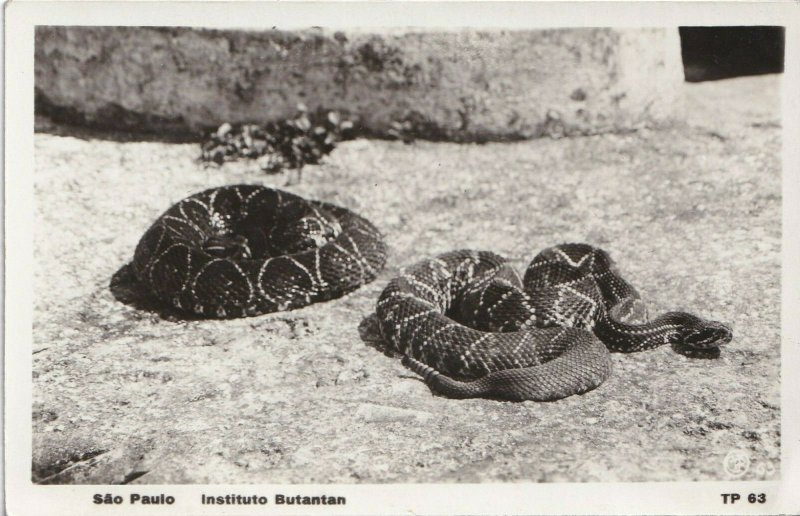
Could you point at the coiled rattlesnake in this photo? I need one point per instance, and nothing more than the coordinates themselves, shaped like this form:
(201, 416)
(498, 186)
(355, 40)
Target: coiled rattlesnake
(467, 323)
(246, 250)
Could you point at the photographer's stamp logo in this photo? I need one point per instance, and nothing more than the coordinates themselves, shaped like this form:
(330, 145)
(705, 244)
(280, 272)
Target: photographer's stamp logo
(736, 463)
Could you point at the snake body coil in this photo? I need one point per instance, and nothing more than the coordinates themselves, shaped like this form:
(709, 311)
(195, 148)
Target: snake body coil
(246, 250)
(471, 327)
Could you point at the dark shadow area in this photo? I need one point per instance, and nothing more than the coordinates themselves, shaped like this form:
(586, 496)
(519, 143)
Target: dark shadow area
(712, 53)
(370, 334)
(127, 289)
(107, 123)
(66, 121)
(61, 470)
(690, 352)
(133, 475)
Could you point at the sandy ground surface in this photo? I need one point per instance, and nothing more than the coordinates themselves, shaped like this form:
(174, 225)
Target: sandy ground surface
(126, 392)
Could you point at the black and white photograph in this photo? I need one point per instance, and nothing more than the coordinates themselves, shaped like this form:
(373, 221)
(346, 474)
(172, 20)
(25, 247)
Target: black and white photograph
(331, 256)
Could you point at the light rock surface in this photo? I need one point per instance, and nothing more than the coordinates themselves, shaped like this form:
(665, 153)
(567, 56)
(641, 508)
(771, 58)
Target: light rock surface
(469, 86)
(691, 213)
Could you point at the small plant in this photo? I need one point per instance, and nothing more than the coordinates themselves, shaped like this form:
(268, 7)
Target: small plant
(402, 130)
(414, 125)
(285, 144)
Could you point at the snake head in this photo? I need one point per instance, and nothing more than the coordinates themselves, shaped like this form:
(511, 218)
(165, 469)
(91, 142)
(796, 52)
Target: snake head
(701, 334)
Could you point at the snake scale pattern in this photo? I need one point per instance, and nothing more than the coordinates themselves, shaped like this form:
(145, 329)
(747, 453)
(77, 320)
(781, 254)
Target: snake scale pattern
(464, 320)
(245, 250)
(469, 325)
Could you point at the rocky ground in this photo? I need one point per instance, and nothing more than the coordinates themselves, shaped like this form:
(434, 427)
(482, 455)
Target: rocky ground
(127, 392)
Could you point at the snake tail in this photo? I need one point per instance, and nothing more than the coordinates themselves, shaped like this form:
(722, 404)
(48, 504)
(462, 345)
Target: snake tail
(581, 369)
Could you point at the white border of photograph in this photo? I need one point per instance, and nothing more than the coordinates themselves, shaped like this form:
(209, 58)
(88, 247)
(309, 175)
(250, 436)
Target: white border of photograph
(23, 497)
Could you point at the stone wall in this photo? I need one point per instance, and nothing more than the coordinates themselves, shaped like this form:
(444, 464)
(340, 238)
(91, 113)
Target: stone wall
(455, 85)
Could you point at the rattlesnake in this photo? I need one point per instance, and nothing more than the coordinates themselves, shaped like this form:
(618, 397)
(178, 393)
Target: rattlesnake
(246, 250)
(466, 322)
